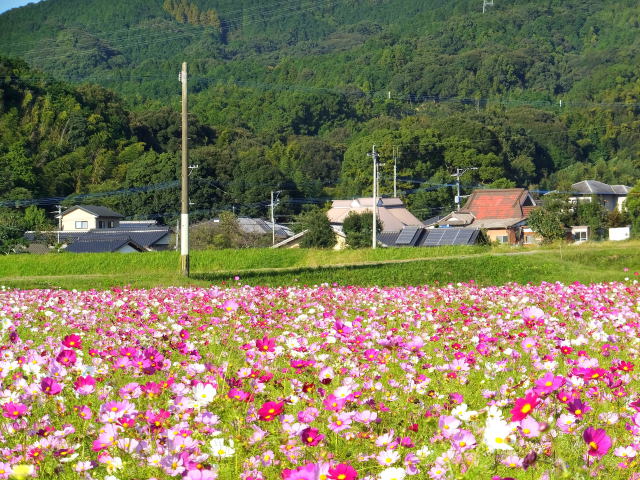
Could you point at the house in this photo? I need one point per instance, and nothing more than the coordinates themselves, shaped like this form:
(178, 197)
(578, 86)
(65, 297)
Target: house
(392, 213)
(611, 196)
(82, 218)
(502, 213)
(93, 229)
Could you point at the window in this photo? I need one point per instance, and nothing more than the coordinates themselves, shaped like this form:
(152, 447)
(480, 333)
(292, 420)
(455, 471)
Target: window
(580, 236)
(531, 239)
(101, 224)
(81, 224)
(502, 238)
(112, 224)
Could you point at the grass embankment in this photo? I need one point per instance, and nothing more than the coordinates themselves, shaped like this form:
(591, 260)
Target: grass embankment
(398, 266)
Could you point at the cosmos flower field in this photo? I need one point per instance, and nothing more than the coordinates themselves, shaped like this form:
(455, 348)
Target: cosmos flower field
(324, 382)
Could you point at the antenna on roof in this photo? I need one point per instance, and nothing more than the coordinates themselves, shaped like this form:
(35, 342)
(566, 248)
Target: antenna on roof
(485, 4)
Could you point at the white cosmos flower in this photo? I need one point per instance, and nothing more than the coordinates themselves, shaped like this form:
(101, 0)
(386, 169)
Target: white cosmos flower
(220, 450)
(204, 393)
(496, 435)
(392, 473)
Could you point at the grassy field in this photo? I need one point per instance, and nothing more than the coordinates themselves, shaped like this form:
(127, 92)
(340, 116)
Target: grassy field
(399, 266)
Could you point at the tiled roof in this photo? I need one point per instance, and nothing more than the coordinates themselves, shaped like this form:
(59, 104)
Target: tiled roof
(144, 238)
(96, 210)
(391, 211)
(103, 245)
(593, 187)
(497, 203)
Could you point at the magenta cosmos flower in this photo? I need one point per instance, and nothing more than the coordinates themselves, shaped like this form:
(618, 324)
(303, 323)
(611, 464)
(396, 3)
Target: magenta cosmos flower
(72, 341)
(306, 472)
(342, 471)
(270, 410)
(524, 406)
(13, 410)
(598, 440)
(311, 436)
(50, 386)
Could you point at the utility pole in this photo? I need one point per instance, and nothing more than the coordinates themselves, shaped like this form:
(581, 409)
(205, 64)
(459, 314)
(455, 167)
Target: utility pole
(458, 174)
(184, 210)
(374, 236)
(273, 217)
(485, 4)
(396, 151)
(59, 212)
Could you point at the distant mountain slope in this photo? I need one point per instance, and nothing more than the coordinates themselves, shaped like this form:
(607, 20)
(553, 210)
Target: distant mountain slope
(421, 47)
(290, 95)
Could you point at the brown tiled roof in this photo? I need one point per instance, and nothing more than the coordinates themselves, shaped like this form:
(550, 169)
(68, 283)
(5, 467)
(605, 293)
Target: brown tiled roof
(497, 203)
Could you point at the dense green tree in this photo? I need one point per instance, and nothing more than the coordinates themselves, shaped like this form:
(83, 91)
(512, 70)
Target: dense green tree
(594, 215)
(632, 206)
(547, 223)
(358, 227)
(35, 219)
(319, 232)
(12, 228)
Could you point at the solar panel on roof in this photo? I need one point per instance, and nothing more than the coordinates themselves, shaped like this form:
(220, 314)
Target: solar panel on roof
(433, 237)
(406, 235)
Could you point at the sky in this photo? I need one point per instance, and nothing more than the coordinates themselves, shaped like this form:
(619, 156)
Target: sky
(9, 4)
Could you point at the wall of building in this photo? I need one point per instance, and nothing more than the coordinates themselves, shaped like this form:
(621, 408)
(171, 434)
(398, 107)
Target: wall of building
(69, 221)
(494, 234)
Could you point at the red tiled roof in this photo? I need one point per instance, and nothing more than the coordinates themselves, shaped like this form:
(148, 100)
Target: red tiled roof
(497, 203)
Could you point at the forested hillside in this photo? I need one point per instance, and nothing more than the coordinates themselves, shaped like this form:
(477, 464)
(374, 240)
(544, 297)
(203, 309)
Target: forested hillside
(290, 95)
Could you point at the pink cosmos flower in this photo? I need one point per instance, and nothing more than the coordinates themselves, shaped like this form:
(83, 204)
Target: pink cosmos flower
(529, 427)
(13, 410)
(549, 383)
(85, 385)
(84, 412)
(200, 475)
(333, 403)
(524, 406)
(66, 357)
(371, 354)
(463, 440)
(266, 344)
(448, 425)
(598, 441)
(230, 306)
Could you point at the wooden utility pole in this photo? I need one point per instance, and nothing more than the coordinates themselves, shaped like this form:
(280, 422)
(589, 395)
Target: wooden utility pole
(184, 210)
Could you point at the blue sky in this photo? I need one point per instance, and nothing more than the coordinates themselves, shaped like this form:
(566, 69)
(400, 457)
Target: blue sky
(9, 4)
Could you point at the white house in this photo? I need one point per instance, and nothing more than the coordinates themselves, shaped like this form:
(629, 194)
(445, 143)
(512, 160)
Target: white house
(611, 196)
(82, 218)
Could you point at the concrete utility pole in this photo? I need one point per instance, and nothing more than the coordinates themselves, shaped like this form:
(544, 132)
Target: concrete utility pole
(374, 236)
(59, 212)
(184, 210)
(274, 203)
(396, 151)
(458, 174)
